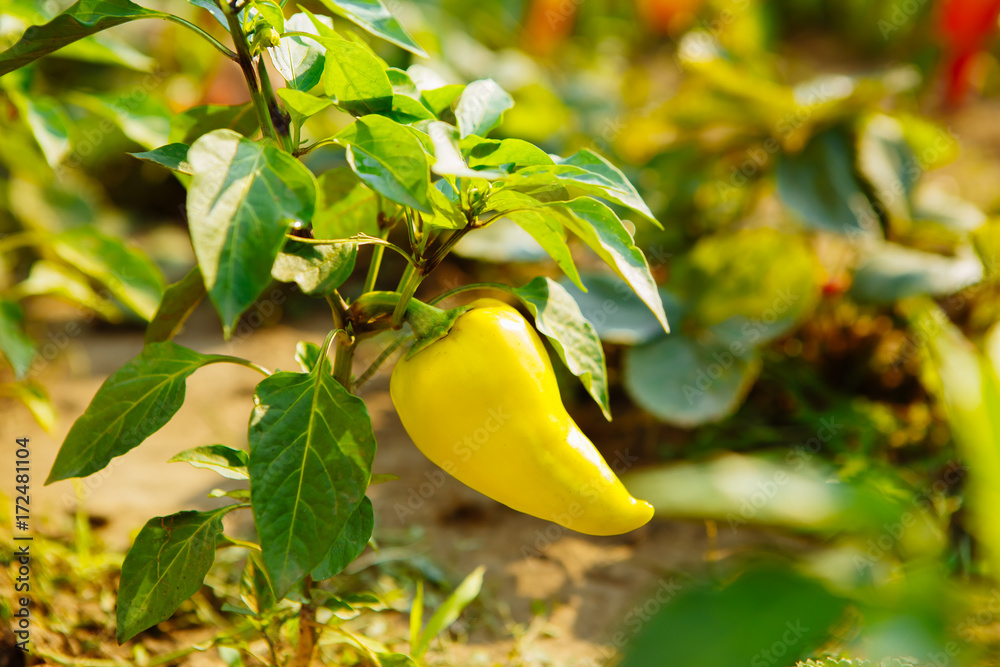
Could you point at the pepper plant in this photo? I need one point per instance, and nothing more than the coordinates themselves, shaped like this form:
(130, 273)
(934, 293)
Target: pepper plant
(420, 169)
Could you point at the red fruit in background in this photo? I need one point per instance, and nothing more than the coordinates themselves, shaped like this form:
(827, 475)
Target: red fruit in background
(547, 24)
(966, 25)
(667, 16)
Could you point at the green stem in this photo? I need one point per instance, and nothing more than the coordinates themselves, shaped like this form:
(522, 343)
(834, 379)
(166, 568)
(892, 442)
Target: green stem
(239, 362)
(446, 247)
(370, 311)
(407, 287)
(470, 287)
(345, 358)
(246, 64)
(358, 239)
(284, 137)
(375, 265)
(211, 40)
(381, 359)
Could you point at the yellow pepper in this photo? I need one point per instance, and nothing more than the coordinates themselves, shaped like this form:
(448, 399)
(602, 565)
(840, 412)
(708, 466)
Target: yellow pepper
(483, 404)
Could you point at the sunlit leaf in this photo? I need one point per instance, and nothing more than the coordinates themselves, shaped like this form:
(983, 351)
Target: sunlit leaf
(373, 16)
(480, 107)
(228, 462)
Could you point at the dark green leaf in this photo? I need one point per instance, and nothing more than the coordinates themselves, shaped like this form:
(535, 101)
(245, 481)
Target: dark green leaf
(820, 186)
(15, 344)
(165, 566)
(171, 156)
(127, 273)
(373, 16)
(316, 269)
(407, 110)
(688, 382)
(179, 301)
(242, 199)
(558, 316)
(599, 227)
(83, 18)
(354, 78)
(300, 60)
(762, 609)
(480, 107)
(389, 159)
(351, 542)
(311, 452)
(228, 462)
(131, 405)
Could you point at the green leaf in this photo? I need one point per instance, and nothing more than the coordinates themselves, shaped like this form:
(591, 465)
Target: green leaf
(351, 542)
(345, 207)
(690, 382)
(311, 452)
(599, 227)
(354, 78)
(171, 156)
(302, 105)
(761, 609)
(32, 395)
(228, 462)
(480, 107)
(373, 16)
(189, 125)
(406, 110)
(242, 199)
(736, 274)
(585, 172)
(178, 302)
(271, 12)
(214, 9)
(15, 344)
(127, 273)
(144, 120)
(50, 279)
(307, 355)
(50, 125)
(617, 313)
(165, 566)
(440, 99)
(505, 152)
(316, 269)
(819, 185)
(559, 318)
(82, 19)
(546, 227)
(448, 157)
(886, 161)
(132, 404)
(300, 60)
(891, 272)
(255, 588)
(450, 610)
(389, 159)
(417, 613)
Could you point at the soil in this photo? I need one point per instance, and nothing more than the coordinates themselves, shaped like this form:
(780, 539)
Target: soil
(590, 590)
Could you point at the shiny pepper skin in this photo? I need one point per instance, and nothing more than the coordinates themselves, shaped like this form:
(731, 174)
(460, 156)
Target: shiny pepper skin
(483, 404)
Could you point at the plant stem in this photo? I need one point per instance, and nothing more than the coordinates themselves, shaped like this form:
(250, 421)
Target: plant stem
(279, 118)
(468, 288)
(407, 286)
(211, 40)
(376, 263)
(344, 362)
(246, 64)
(307, 628)
(382, 358)
(359, 239)
(446, 247)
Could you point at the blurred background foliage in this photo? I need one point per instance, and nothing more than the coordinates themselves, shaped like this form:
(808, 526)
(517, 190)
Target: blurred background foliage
(825, 176)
